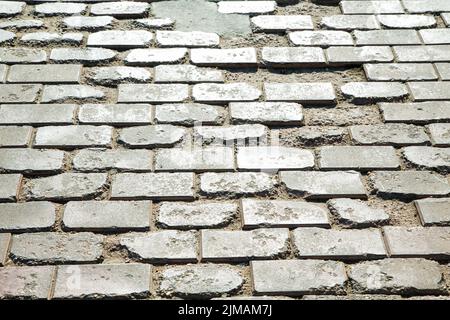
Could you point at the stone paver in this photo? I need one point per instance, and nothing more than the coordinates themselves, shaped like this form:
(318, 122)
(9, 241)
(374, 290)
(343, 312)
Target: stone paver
(400, 71)
(356, 213)
(9, 186)
(440, 134)
(186, 74)
(270, 113)
(71, 137)
(22, 55)
(161, 135)
(390, 133)
(152, 93)
(418, 112)
(293, 57)
(64, 73)
(31, 161)
(120, 39)
(434, 211)
(220, 93)
(28, 216)
(281, 23)
(273, 158)
(191, 39)
(4, 245)
(224, 57)
(308, 93)
(155, 56)
(124, 160)
(428, 157)
(421, 91)
(115, 114)
(359, 55)
(26, 282)
(19, 93)
(59, 93)
(15, 136)
(122, 9)
(37, 114)
(321, 38)
(363, 92)
(235, 183)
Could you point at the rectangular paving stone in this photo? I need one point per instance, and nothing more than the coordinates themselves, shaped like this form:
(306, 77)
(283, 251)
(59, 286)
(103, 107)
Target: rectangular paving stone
(37, 114)
(19, 93)
(358, 158)
(351, 213)
(229, 92)
(281, 23)
(386, 37)
(322, 38)
(31, 160)
(428, 157)
(156, 136)
(221, 245)
(120, 9)
(236, 57)
(196, 159)
(155, 56)
(66, 186)
(190, 39)
(171, 186)
(111, 76)
(104, 159)
(409, 184)
(283, 214)
(416, 112)
(423, 6)
(57, 248)
(318, 243)
(82, 55)
(422, 91)
(435, 36)
(188, 114)
(52, 9)
(4, 246)
(443, 70)
(53, 73)
(152, 93)
(48, 38)
(406, 21)
(440, 134)
(27, 216)
(236, 183)
(397, 134)
(434, 212)
(107, 215)
(186, 74)
(400, 71)
(298, 277)
(120, 39)
(269, 113)
(244, 7)
(71, 137)
(15, 136)
(9, 186)
(428, 53)
(3, 72)
(350, 22)
(11, 8)
(429, 242)
(273, 158)
(59, 93)
(324, 185)
(114, 114)
(26, 282)
(358, 55)
(22, 55)
(366, 92)
(229, 135)
(371, 7)
(292, 57)
(103, 281)
(310, 93)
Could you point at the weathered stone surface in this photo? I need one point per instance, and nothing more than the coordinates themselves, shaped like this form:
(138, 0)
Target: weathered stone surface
(157, 23)
(114, 114)
(52, 38)
(281, 23)
(405, 276)
(31, 161)
(191, 39)
(120, 39)
(271, 113)
(350, 22)
(114, 75)
(311, 93)
(363, 92)
(338, 244)
(428, 157)
(406, 21)
(400, 71)
(19, 93)
(70, 137)
(298, 277)
(235, 183)
(107, 215)
(11, 8)
(195, 159)
(186, 74)
(356, 213)
(14, 136)
(153, 93)
(103, 159)
(345, 115)
(4, 246)
(434, 211)
(358, 158)
(27, 216)
(422, 91)
(396, 134)
(409, 184)
(52, 9)
(217, 93)
(56, 248)
(292, 57)
(19, 24)
(244, 7)
(6, 36)
(321, 38)
(66, 186)
(371, 7)
(26, 282)
(88, 23)
(173, 186)
(82, 55)
(180, 215)
(188, 114)
(219, 245)
(429, 53)
(331, 184)
(440, 134)
(386, 37)
(446, 18)
(57, 93)
(161, 135)
(103, 281)
(200, 281)
(430, 242)
(315, 135)
(359, 55)
(162, 246)
(155, 56)
(274, 158)
(3, 72)
(9, 186)
(418, 112)
(122, 9)
(282, 213)
(37, 114)
(22, 55)
(231, 134)
(435, 36)
(62, 73)
(444, 70)
(224, 57)
(423, 6)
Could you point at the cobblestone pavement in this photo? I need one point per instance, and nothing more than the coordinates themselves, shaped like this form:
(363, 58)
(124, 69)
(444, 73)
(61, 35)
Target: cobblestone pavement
(297, 149)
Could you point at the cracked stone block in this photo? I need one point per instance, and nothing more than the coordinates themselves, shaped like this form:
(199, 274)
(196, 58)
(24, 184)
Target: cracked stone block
(321, 38)
(406, 21)
(53, 9)
(52, 38)
(429, 242)
(120, 9)
(195, 159)
(26, 282)
(298, 277)
(246, 7)
(57, 248)
(221, 245)
(356, 213)
(386, 37)
(237, 57)
(4, 245)
(19, 93)
(308, 93)
(371, 7)
(281, 23)
(82, 55)
(107, 215)
(6, 36)
(22, 55)
(161, 186)
(418, 112)
(365, 92)
(9, 186)
(434, 212)
(103, 281)
(162, 246)
(186, 74)
(422, 91)
(114, 114)
(72, 137)
(56, 93)
(318, 243)
(398, 276)
(428, 157)
(11, 8)
(156, 56)
(350, 22)
(88, 23)
(283, 213)
(19, 24)
(229, 135)
(188, 114)
(14, 136)
(152, 93)
(358, 158)
(56, 73)
(440, 134)
(120, 39)
(292, 57)
(269, 113)
(235, 183)
(37, 114)
(191, 39)
(400, 71)
(31, 161)
(324, 185)
(229, 92)
(180, 215)
(161, 135)
(27, 216)
(66, 186)
(200, 280)
(274, 158)
(112, 75)
(409, 184)
(359, 55)
(397, 134)
(104, 159)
